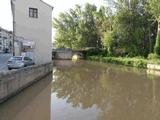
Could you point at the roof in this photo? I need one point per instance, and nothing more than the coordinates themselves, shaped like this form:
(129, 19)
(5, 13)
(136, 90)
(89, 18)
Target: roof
(46, 4)
(8, 31)
(40, 1)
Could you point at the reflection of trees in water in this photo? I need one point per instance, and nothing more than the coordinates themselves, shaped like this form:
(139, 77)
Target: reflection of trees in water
(78, 87)
(119, 95)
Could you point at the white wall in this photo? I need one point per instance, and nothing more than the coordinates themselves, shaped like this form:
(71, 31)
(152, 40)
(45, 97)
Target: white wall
(36, 29)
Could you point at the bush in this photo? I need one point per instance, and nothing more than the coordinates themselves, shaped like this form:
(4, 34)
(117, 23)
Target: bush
(153, 56)
(94, 52)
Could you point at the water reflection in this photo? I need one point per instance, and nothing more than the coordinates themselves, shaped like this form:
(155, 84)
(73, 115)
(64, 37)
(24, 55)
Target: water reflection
(31, 104)
(108, 92)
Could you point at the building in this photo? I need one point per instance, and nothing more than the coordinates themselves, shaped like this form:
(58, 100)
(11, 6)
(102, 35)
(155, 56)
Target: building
(32, 19)
(6, 40)
(24, 46)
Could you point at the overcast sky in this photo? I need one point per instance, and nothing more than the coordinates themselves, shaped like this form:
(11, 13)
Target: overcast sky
(59, 6)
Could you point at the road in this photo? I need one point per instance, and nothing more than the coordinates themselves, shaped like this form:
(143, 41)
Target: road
(3, 60)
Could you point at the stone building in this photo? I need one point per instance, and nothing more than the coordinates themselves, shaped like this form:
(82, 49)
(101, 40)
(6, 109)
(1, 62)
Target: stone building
(32, 19)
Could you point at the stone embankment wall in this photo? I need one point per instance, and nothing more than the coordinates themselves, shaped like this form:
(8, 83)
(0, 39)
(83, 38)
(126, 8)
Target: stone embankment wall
(153, 69)
(12, 82)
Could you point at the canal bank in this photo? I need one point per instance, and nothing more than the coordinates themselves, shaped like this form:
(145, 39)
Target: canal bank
(132, 62)
(12, 82)
(152, 66)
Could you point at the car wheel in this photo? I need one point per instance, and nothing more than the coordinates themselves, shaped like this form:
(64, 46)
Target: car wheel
(9, 69)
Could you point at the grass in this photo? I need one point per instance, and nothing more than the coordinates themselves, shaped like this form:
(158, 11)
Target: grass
(133, 62)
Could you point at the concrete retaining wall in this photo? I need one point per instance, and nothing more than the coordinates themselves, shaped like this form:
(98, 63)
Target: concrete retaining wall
(153, 67)
(12, 82)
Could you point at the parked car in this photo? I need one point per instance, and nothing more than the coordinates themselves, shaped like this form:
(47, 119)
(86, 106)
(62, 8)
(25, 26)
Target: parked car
(17, 62)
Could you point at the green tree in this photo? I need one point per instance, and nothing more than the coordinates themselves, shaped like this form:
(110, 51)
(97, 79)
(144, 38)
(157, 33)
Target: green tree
(132, 27)
(77, 28)
(154, 8)
(126, 30)
(104, 25)
(66, 27)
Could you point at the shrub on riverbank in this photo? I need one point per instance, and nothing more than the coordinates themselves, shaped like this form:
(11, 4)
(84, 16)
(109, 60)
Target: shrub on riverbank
(94, 52)
(134, 62)
(153, 56)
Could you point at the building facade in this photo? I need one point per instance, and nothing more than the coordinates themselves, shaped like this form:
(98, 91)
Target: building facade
(6, 40)
(32, 19)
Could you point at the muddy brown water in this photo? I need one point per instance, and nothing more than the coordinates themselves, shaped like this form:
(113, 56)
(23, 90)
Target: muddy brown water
(88, 91)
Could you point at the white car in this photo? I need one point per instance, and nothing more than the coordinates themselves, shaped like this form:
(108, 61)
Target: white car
(17, 62)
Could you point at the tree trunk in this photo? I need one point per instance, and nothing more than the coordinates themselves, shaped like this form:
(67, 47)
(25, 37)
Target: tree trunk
(150, 41)
(157, 45)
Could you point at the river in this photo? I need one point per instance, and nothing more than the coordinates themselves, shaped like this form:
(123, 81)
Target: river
(88, 91)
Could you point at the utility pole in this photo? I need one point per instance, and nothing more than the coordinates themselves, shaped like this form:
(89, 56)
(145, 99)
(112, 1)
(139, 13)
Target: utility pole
(13, 38)
(14, 25)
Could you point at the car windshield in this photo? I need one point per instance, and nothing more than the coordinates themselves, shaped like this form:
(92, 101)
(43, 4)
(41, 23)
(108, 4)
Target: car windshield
(16, 58)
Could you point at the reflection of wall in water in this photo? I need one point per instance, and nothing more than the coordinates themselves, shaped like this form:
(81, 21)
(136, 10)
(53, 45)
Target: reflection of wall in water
(31, 104)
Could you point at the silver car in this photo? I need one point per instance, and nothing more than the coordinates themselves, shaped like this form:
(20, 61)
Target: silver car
(17, 62)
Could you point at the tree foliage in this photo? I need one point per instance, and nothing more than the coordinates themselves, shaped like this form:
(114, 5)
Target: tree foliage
(123, 28)
(133, 27)
(77, 28)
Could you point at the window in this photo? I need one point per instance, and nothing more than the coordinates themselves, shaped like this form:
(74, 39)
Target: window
(27, 59)
(16, 58)
(33, 12)
(4, 37)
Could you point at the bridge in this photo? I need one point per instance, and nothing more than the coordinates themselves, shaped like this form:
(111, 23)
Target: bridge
(66, 53)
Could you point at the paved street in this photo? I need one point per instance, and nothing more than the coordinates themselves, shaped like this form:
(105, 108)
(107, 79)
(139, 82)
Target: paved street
(3, 60)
